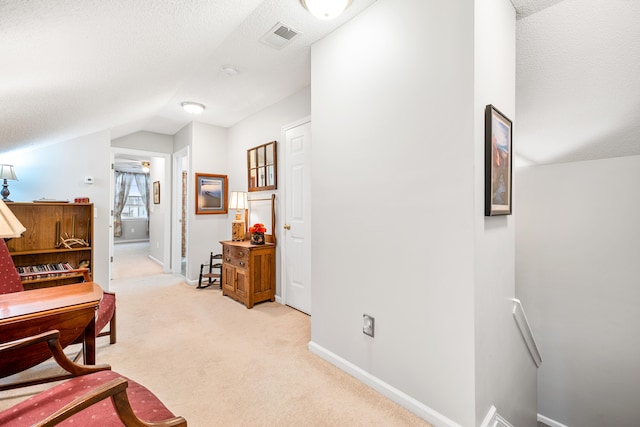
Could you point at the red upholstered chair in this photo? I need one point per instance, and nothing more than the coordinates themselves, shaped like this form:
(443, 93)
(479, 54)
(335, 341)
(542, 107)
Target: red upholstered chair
(9, 277)
(94, 397)
(10, 282)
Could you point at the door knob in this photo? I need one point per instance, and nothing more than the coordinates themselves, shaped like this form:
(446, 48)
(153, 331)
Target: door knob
(287, 227)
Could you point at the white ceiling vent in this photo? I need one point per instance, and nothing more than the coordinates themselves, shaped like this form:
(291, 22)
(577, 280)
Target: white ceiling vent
(279, 36)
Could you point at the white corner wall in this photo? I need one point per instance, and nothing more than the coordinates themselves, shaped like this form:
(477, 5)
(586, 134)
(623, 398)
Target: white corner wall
(505, 373)
(393, 201)
(264, 126)
(577, 270)
(57, 171)
(145, 141)
(159, 239)
(208, 154)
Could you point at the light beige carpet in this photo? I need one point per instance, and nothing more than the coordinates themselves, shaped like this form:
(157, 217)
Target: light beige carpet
(213, 361)
(132, 260)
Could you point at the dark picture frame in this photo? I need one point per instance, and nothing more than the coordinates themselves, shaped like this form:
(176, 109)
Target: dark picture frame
(498, 181)
(211, 193)
(156, 192)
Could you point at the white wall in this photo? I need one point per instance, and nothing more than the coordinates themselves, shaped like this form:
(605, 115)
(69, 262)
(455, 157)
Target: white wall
(57, 171)
(577, 270)
(505, 372)
(159, 238)
(393, 199)
(133, 229)
(208, 155)
(145, 141)
(259, 129)
(182, 139)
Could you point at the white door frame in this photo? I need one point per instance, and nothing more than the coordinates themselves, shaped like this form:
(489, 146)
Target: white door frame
(176, 212)
(112, 192)
(281, 205)
(166, 253)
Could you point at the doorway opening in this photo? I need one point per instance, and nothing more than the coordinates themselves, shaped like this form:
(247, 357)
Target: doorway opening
(141, 212)
(180, 214)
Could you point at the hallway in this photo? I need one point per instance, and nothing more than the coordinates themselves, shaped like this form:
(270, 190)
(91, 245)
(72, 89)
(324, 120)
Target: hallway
(132, 260)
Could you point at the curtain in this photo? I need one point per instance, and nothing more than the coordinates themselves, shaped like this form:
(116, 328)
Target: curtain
(123, 185)
(142, 181)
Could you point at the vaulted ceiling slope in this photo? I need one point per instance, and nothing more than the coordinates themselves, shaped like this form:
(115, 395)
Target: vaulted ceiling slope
(578, 80)
(71, 68)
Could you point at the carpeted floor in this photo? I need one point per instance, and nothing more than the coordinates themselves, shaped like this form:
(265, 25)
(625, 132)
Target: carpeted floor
(217, 363)
(132, 260)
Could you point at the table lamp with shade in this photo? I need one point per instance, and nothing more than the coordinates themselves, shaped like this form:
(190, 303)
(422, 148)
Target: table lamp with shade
(6, 173)
(239, 202)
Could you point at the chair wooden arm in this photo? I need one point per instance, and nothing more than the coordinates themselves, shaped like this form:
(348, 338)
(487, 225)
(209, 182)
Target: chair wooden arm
(116, 389)
(52, 340)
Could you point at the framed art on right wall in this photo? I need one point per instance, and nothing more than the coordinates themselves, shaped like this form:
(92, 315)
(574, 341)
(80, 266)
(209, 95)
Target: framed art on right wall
(498, 164)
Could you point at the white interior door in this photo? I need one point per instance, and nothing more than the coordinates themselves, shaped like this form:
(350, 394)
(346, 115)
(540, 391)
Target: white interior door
(297, 247)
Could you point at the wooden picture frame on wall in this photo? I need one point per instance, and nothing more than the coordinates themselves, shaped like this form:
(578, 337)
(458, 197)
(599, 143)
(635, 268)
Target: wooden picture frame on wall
(156, 192)
(498, 163)
(211, 193)
(262, 167)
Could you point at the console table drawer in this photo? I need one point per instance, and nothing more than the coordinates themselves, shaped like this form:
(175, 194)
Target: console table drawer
(238, 257)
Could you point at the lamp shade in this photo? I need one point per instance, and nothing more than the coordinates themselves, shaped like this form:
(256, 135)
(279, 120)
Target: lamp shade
(238, 200)
(325, 9)
(7, 172)
(10, 226)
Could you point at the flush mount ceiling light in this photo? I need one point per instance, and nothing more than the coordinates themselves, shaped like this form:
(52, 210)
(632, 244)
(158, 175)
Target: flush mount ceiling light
(230, 70)
(193, 107)
(325, 9)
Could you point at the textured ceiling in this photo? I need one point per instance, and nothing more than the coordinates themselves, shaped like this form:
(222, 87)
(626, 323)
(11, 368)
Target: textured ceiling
(72, 67)
(525, 8)
(578, 80)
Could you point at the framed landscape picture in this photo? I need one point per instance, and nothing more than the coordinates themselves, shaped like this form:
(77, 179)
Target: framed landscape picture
(498, 164)
(211, 194)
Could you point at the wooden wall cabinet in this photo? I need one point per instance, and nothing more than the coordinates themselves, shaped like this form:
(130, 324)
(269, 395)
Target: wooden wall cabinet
(47, 224)
(248, 272)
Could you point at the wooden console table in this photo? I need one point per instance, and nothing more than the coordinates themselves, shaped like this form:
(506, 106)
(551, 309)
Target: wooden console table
(249, 272)
(70, 309)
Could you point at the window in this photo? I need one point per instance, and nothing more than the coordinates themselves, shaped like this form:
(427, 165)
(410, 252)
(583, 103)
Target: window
(134, 206)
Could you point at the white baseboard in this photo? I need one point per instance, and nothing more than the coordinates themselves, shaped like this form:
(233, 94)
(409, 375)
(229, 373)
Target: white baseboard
(549, 421)
(156, 260)
(402, 399)
(493, 419)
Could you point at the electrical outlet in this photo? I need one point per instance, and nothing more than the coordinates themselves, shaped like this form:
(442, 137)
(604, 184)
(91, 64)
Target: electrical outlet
(367, 325)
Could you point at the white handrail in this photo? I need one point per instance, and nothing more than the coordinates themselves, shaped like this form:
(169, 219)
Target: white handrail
(525, 330)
